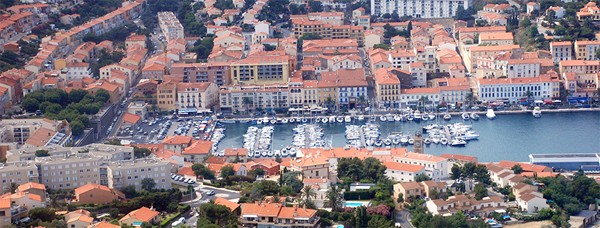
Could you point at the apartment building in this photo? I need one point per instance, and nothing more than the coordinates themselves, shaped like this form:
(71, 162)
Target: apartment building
(70, 171)
(19, 173)
(420, 8)
(418, 73)
(472, 32)
(77, 70)
(402, 172)
(418, 190)
(109, 152)
(520, 68)
(197, 95)
(328, 31)
(352, 87)
(166, 93)
(496, 38)
(586, 50)
(387, 88)
(20, 130)
(452, 90)
(263, 96)
(131, 173)
(401, 59)
(170, 26)
(330, 47)
(261, 69)
(216, 72)
(414, 97)
(589, 11)
(332, 18)
(513, 90)
(561, 50)
(478, 52)
(579, 66)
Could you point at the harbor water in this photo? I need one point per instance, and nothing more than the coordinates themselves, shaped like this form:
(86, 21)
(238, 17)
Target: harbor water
(507, 137)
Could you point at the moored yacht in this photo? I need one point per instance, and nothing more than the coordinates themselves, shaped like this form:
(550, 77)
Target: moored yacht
(447, 116)
(474, 116)
(537, 112)
(347, 119)
(465, 116)
(490, 114)
(382, 118)
(417, 115)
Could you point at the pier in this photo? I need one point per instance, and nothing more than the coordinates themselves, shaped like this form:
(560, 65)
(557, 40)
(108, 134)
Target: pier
(447, 132)
(363, 141)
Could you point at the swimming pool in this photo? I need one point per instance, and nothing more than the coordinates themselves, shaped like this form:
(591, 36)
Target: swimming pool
(354, 204)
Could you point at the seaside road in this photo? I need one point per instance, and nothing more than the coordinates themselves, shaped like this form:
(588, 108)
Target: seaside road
(402, 217)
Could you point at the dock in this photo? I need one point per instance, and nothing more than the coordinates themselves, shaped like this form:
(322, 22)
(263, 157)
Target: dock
(363, 141)
(447, 131)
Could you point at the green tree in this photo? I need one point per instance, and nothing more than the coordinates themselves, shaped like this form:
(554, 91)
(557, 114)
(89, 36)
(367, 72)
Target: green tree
(517, 169)
(114, 213)
(291, 179)
(227, 171)
(382, 46)
(102, 95)
(44, 214)
(146, 225)
(311, 36)
(361, 217)
(76, 95)
(247, 101)
(201, 170)
(480, 191)
(216, 214)
(141, 152)
(525, 23)
(315, 6)
(53, 108)
(268, 187)
(30, 104)
(42, 153)
(12, 188)
(330, 103)
(422, 177)
(148, 184)
(550, 17)
(77, 127)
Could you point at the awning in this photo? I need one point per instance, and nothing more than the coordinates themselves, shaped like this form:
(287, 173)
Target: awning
(548, 102)
(250, 216)
(500, 211)
(538, 101)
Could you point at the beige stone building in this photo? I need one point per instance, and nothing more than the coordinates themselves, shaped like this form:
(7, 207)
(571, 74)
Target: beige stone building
(131, 173)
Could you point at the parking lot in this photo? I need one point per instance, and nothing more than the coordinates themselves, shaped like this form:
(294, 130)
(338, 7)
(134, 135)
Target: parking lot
(155, 130)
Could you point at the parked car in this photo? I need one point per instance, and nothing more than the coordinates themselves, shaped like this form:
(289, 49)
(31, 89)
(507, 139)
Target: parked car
(210, 193)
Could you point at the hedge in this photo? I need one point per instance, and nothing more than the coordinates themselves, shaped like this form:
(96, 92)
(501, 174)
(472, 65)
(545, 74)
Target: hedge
(359, 195)
(167, 221)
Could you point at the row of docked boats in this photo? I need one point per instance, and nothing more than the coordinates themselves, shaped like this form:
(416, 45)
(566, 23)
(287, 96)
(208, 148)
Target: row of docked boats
(217, 136)
(258, 141)
(457, 134)
(407, 115)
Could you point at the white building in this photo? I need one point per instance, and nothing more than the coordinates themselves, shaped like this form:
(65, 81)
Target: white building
(403, 171)
(561, 50)
(419, 8)
(418, 73)
(344, 62)
(531, 201)
(401, 59)
(513, 89)
(521, 68)
(170, 26)
(412, 97)
(77, 70)
(435, 167)
(263, 26)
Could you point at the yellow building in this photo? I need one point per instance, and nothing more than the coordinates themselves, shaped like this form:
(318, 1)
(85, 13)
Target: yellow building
(166, 95)
(261, 70)
(328, 31)
(387, 88)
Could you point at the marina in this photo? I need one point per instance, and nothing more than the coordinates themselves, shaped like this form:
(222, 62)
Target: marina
(507, 137)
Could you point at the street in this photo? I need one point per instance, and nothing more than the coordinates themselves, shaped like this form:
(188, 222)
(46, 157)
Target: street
(403, 217)
(203, 198)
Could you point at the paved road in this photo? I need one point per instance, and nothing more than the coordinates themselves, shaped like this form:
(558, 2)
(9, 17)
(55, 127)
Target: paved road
(403, 217)
(202, 191)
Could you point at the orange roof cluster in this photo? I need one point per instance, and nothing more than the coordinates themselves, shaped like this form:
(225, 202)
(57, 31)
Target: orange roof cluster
(403, 166)
(420, 91)
(31, 185)
(459, 157)
(198, 147)
(143, 214)
(131, 118)
(525, 166)
(482, 29)
(83, 218)
(91, 186)
(506, 81)
(383, 76)
(235, 151)
(231, 205)
(40, 137)
(493, 48)
(177, 139)
(496, 36)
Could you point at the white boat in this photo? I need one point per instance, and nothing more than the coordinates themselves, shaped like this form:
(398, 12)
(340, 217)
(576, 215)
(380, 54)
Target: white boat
(292, 120)
(425, 117)
(447, 116)
(427, 141)
(317, 119)
(474, 116)
(304, 120)
(298, 120)
(361, 118)
(396, 141)
(458, 142)
(332, 119)
(227, 121)
(404, 139)
(411, 141)
(265, 120)
(410, 117)
(293, 152)
(382, 118)
(537, 112)
(284, 120)
(417, 115)
(324, 120)
(264, 153)
(259, 121)
(469, 135)
(273, 121)
(277, 153)
(387, 142)
(465, 116)
(444, 141)
(435, 140)
(284, 153)
(348, 119)
(390, 117)
(378, 143)
(340, 119)
(397, 118)
(490, 114)
(431, 116)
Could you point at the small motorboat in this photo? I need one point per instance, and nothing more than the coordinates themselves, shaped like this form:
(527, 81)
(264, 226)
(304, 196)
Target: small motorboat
(317, 120)
(431, 116)
(417, 115)
(339, 119)
(537, 112)
(324, 120)
(447, 116)
(270, 153)
(378, 143)
(404, 139)
(411, 141)
(227, 121)
(382, 118)
(490, 114)
(245, 121)
(264, 153)
(474, 116)
(427, 141)
(293, 152)
(396, 141)
(277, 153)
(298, 120)
(273, 121)
(348, 119)
(389, 117)
(435, 140)
(458, 142)
(361, 118)
(332, 119)
(387, 142)
(284, 120)
(465, 116)
(444, 141)
(304, 120)
(397, 118)
(284, 152)
(410, 118)
(292, 120)
(369, 142)
(425, 117)
(259, 121)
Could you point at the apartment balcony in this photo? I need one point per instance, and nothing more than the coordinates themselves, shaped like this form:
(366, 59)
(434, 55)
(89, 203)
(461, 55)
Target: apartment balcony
(33, 175)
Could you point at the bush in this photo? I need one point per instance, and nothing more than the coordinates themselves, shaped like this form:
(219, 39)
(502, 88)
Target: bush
(168, 221)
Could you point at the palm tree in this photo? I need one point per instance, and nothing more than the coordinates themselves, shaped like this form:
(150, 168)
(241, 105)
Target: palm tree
(329, 102)
(308, 192)
(565, 94)
(362, 100)
(423, 100)
(247, 101)
(470, 97)
(528, 94)
(334, 198)
(12, 188)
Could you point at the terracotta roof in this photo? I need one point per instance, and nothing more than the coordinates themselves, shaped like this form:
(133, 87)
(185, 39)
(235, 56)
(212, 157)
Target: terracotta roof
(458, 157)
(496, 36)
(154, 67)
(315, 180)
(79, 212)
(198, 147)
(236, 151)
(261, 209)
(482, 29)
(130, 118)
(90, 186)
(83, 218)
(216, 160)
(143, 214)
(186, 171)
(188, 86)
(231, 205)
(410, 185)
(383, 76)
(40, 137)
(31, 185)
(525, 166)
(493, 48)
(103, 225)
(403, 166)
(177, 139)
(420, 91)
(296, 212)
(561, 43)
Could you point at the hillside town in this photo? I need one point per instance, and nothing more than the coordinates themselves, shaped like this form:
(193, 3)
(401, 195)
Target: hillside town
(319, 113)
